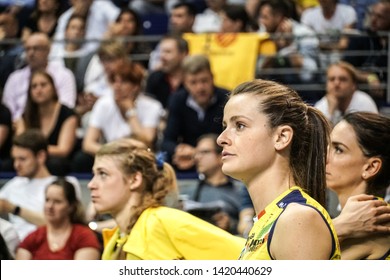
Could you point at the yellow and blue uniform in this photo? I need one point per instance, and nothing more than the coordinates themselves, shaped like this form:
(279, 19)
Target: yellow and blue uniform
(164, 233)
(257, 246)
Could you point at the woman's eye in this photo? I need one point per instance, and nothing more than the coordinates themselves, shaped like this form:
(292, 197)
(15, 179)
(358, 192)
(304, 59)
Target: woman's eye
(338, 150)
(240, 126)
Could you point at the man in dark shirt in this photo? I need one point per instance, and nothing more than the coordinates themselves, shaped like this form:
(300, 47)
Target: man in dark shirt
(162, 83)
(195, 110)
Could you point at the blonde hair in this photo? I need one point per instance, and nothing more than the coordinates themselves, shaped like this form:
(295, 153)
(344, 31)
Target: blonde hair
(158, 180)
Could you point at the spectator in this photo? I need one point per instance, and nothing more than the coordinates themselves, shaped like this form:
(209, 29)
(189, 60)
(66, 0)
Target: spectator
(65, 235)
(181, 18)
(37, 49)
(181, 21)
(11, 51)
(210, 19)
(127, 113)
(127, 25)
(214, 188)
(342, 95)
(163, 83)
(329, 20)
(235, 19)
(297, 46)
(358, 163)
(71, 50)
(22, 198)
(193, 111)
(99, 15)
(43, 18)
(362, 10)
(134, 193)
(373, 46)
(56, 121)
(92, 75)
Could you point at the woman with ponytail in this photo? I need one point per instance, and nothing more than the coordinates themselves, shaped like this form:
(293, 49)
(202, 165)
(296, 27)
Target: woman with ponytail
(131, 184)
(276, 145)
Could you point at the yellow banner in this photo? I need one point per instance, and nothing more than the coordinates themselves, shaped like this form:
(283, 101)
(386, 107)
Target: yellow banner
(232, 56)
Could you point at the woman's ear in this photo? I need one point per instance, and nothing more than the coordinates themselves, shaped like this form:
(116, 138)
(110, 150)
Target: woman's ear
(283, 137)
(372, 167)
(135, 181)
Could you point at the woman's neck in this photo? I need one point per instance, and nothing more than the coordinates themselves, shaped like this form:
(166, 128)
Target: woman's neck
(268, 185)
(48, 108)
(344, 193)
(59, 227)
(127, 213)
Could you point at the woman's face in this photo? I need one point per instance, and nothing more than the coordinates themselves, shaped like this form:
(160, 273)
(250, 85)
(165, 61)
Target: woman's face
(128, 24)
(75, 29)
(123, 89)
(56, 207)
(345, 162)
(42, 90)
(110, 190)
(247, 141)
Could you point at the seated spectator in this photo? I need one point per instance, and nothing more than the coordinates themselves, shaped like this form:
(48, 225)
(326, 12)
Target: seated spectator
(163, 83)
(127, 25)
(70, 51)
(297, 47)
(235, 19)
(6, 133)
(135, 196)
(99, 15)
(213, 189)
(37, 49)
(195, 110)
(342, 95)
(92, 72)
(43, 18)
(22, 198)
(11, 51)
(329, 20)
(372, 63)
(210, 19)
(181, 20)
(362, 9)
(56, 121)
(126, 113)
(65, 235)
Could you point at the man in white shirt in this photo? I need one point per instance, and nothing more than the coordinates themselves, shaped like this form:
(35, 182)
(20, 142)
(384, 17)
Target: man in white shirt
(37, 48)
(342, 95)
(23, 197)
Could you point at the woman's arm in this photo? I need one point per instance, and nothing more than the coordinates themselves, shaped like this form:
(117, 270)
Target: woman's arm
(91, 142)
(301, 234)
(66, 139)
(23, 254)
(19, 126)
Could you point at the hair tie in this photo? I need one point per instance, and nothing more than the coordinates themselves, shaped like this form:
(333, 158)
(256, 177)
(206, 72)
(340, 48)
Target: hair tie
(160, 159)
